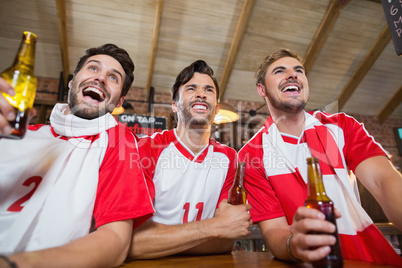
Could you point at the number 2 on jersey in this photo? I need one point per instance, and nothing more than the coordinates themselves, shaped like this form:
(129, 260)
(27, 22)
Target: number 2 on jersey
(186, 207)
(17, 205)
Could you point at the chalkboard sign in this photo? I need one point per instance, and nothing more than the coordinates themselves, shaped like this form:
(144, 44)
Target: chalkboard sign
(393, 13)
(143, 125)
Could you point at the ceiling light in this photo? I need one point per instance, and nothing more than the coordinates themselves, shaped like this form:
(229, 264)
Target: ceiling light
(118, 110)
(226, 114)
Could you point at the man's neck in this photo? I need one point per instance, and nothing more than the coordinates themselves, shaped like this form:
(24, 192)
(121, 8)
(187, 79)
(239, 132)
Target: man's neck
(290, 123)
(194, 138)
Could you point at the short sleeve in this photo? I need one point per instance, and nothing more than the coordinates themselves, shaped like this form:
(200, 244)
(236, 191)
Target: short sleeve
(359, 144)
(260, 194)
(122, 190)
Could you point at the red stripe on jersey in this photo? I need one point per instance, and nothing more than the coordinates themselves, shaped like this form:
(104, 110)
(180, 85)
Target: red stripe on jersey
(35, 127)
(290, 140)
(90, 137)
(291, 190)
(359, 144)
(124, 194)
(256, 180)
(203, 154)
(369, 245)
(184, 151)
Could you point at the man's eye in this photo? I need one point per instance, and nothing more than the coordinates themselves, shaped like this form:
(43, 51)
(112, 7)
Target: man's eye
(278, 71)
(114, 78)
(92, 68)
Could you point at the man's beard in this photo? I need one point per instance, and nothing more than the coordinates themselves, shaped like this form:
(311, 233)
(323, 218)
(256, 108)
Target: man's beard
(85, 110)
(289, 107)
(195, 122)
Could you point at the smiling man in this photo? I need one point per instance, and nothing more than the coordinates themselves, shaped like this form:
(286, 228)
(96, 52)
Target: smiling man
(276, 173)
(61, 177)
(189, 176)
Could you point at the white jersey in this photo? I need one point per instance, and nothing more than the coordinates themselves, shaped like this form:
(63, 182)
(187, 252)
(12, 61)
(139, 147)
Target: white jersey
(49, 182)
(188, 187)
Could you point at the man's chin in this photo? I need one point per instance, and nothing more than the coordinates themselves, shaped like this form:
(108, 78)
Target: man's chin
(88, 112)
(200, 120)
(290, 107)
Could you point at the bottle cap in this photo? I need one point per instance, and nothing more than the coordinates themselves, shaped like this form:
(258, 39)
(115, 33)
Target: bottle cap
(30, 36)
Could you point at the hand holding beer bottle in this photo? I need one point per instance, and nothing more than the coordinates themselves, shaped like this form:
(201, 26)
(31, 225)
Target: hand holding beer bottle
(7, 112)
(318, 199)
(237, 194)
(20, 76)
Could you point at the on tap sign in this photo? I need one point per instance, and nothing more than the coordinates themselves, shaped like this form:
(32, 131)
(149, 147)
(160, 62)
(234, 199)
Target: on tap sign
(143, 125)
(393, 13)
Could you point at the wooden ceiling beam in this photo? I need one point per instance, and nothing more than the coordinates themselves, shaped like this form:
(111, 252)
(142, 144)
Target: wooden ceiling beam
(62, 27)
(234, 47)
(323, 32)
(392, 104)
(154, 46)
(364, 66)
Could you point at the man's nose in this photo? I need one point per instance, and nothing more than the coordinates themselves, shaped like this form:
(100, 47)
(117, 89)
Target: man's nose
(292, 74)
(101, 77)
(201, 93)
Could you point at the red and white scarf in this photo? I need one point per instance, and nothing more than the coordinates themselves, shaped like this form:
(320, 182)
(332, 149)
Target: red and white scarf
(360, 238)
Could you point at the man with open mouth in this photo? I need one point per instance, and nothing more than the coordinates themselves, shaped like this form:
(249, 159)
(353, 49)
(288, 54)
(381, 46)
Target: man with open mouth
(61, 177)
(189, 177)
(276, 173)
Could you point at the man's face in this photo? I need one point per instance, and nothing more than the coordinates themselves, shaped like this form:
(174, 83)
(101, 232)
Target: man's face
(197, 105)
(95, 90)
(286, 86)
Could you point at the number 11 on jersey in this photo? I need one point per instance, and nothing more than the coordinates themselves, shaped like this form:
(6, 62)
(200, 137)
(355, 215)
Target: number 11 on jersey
(199, 207)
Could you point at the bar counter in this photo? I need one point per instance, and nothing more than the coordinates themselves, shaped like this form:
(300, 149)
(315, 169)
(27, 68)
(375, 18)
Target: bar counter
(236, 259)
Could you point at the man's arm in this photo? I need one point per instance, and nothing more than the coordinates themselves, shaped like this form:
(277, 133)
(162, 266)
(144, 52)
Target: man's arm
(154, 240)
(276, 233)
(106, 247)
(384, 182)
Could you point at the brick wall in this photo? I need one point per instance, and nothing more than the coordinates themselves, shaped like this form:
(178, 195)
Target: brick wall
(383, 133)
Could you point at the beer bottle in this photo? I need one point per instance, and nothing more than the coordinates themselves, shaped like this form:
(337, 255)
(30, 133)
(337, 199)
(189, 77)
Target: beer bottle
(318, 199)
(237, 194)
(21, 77)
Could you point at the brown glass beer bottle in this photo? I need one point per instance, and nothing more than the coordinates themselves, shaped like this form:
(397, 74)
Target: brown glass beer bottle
(318, 199)
(21, 77)
(237, 194)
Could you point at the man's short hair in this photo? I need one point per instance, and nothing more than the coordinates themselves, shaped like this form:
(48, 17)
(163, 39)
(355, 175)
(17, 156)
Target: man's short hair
(118, 54)
(187, 73)
(271, 58)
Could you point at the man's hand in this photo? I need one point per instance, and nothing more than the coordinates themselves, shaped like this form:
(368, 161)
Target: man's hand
(7, 112)
(232, 221)
(311, 247)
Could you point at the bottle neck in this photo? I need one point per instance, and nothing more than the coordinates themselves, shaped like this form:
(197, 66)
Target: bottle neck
(25, 58)
(239, 179)
(316, 189)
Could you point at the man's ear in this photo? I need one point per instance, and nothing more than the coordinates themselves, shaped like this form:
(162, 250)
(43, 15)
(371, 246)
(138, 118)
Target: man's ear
(261, 90)
(69, 83)
(175, 109)
(120, 103)
(217, 108)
